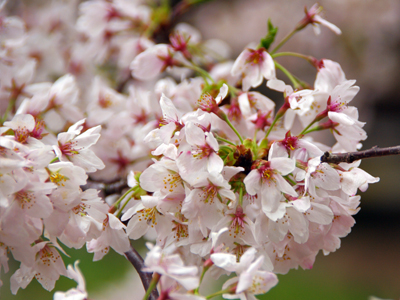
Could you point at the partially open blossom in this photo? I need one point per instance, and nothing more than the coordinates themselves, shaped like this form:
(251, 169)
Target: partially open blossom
(313, 17)
(254, 65)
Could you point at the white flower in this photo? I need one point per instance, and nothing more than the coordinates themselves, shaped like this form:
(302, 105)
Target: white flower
(251, 281)
(171, 265)
(313, 17)
(113, 235)
(254, 66)
(78, 293)
(267, 182)
(47, 269)
(74, 146)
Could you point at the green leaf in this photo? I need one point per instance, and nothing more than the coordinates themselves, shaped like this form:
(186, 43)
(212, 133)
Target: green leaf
(270, 37)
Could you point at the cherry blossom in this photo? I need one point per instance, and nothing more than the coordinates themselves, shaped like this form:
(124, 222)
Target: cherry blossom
(78, 293)
(171, 265)
(74, 146)
(254, 65)
(114, 94)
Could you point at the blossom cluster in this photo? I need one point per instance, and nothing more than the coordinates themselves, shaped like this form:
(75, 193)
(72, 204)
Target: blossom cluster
(216, 177)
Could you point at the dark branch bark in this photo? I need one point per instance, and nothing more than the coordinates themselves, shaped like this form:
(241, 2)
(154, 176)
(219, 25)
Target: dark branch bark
(106, 189)
(350, 157)
(137, 261)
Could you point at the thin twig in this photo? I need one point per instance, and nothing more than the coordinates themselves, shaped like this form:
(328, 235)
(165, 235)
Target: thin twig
(350, 157)
(137, 261)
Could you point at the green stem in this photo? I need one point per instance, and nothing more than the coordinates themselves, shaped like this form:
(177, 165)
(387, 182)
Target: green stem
(123, 197)
(152, 285)
(232, 90)
(316, 128)
(318, 118)
(289, 75)
(123, 206)
(205, 269)
(224, 140)
(306, 129)
(54, 160)
(233, 128)
(201, 71)
(306, 57)
(241, 196)
(10, 106)
(272, 125)
(290, 180)
(227, 290)
(285, 39)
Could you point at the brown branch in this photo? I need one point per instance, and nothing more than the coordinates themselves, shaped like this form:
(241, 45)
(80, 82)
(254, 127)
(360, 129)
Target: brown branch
(137, 261)
(106, 189)
(350, 157)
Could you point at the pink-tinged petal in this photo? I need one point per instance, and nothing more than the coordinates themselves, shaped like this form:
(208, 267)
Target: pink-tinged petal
(253, 182)
(341, 118)
(89, 137)
(42, 208)
(262, 102)
(215, 163)
(166, 132)
(119, 241)
(115, 223)
(168, 109)
(240, 62)
(329, 76)
(178, 296)
(136, 228)
(150, 201)
(131, 211)
(320, 214)
(246, 259)
(228, 172)
(326, 177)
(212, 141)
(277, 213)
(245, 281)
(268, 66)
(21, 278)
(354, 179)
(345, 92)
(253, 78)
(325, 23)
(277, 150)
(55, 224)
(168, 150)
(298, 226)
(289, 119)
(244, 104)
(229, 194)
(284, 186)
(277, 230)
(75, 274)
(225, 261)
(301, 204)
(194, 135)
(88, 161)
(222, 93)
(76, 128)
(21, 120)
(283, 165)
(147, 65)
(270, 197)
(312, 149)
(132, 182)
(280, 86)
